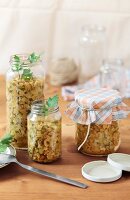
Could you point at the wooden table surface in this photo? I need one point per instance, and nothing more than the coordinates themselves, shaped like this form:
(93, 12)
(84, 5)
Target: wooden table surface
(19, 184)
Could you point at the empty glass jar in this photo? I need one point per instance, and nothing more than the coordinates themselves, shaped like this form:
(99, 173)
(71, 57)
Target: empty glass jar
(24, 84)
(91, 50)
(44, 133)
(111, 73)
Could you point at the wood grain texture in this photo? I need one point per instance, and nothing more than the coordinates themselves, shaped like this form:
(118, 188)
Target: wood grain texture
(18, 184)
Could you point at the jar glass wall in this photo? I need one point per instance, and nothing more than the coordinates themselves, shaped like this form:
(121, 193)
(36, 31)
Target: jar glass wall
(102, 140)
(24, 84)
(91, 50)
(44, 134)
(111, 73)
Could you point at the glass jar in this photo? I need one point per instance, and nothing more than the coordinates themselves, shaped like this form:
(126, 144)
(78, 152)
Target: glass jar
(111, 73)
(102, 140)
(44, 133)
(91, 50)
(96, 113)
(24, 84)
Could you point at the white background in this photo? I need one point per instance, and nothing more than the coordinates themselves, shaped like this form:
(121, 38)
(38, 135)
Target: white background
(53, 26)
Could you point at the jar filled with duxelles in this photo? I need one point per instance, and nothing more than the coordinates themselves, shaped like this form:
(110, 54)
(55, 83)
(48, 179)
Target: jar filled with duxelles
(97, 113)
(24, 84)
(44, 131)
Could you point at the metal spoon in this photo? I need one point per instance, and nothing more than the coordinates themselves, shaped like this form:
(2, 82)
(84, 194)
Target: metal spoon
(7, 158)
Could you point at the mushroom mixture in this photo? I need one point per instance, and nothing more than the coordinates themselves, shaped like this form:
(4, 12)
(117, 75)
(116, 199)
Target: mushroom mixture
(44, 139)
(102, 140)
(20, 95)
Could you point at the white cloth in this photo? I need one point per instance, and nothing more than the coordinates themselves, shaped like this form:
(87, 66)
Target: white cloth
(53, 26)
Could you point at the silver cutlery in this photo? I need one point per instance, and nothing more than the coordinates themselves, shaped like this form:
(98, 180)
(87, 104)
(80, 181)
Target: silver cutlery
(7, 158)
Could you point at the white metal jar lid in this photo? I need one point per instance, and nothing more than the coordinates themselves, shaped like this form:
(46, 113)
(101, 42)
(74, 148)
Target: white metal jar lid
(101, 171)
(120, 161)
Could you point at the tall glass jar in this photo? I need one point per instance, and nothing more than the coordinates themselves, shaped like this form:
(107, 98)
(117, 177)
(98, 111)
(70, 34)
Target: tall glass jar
(44, 133)
(24, 84)
(91, 50)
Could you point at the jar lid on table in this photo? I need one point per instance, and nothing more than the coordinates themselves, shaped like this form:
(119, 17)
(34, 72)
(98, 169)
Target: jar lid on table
(107, 171)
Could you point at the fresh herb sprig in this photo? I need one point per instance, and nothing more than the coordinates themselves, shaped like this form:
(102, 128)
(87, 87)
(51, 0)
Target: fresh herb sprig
(18, 65)
(34, 58)
(27, 74)
(5, 142)
(50, 103)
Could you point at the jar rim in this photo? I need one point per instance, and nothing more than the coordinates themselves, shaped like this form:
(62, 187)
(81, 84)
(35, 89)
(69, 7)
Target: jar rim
(113, 61)
(24, 58)
(37, 107)
(92, 28)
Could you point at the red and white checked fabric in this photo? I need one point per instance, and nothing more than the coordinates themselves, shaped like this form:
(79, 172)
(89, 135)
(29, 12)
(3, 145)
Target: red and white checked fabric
(101, 106)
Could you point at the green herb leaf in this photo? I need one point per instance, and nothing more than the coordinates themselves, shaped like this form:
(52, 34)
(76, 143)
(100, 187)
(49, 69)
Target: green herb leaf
(17, 63)
(4, 142)
(45, 109)
(16, 58)
(27, 74)
(6, 139)
(3, 147)
(33, 58)
(16, 67)
(52, 102)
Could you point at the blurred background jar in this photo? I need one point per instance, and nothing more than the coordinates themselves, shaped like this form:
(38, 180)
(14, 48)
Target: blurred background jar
(91, 50)
(44, 133)
(24, 84)
(112, 75)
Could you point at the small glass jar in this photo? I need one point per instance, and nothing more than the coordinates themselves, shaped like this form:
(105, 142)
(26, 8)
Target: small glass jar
(44, 133)
(102, 140)
(96, 113)
(111, 73)
(24, 84)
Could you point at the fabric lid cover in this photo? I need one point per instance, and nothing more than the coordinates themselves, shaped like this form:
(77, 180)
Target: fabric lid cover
(101, 106)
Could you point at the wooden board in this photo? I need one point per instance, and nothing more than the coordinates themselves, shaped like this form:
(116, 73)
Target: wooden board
(19, 184)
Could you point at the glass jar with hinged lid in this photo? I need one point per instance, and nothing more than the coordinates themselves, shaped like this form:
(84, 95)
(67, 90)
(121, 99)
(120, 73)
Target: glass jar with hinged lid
(97, 113)
(44, 131)
(24, 84)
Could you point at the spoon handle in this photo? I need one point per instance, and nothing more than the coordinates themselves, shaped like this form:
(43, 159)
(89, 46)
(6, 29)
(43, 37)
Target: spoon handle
(53, 176)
